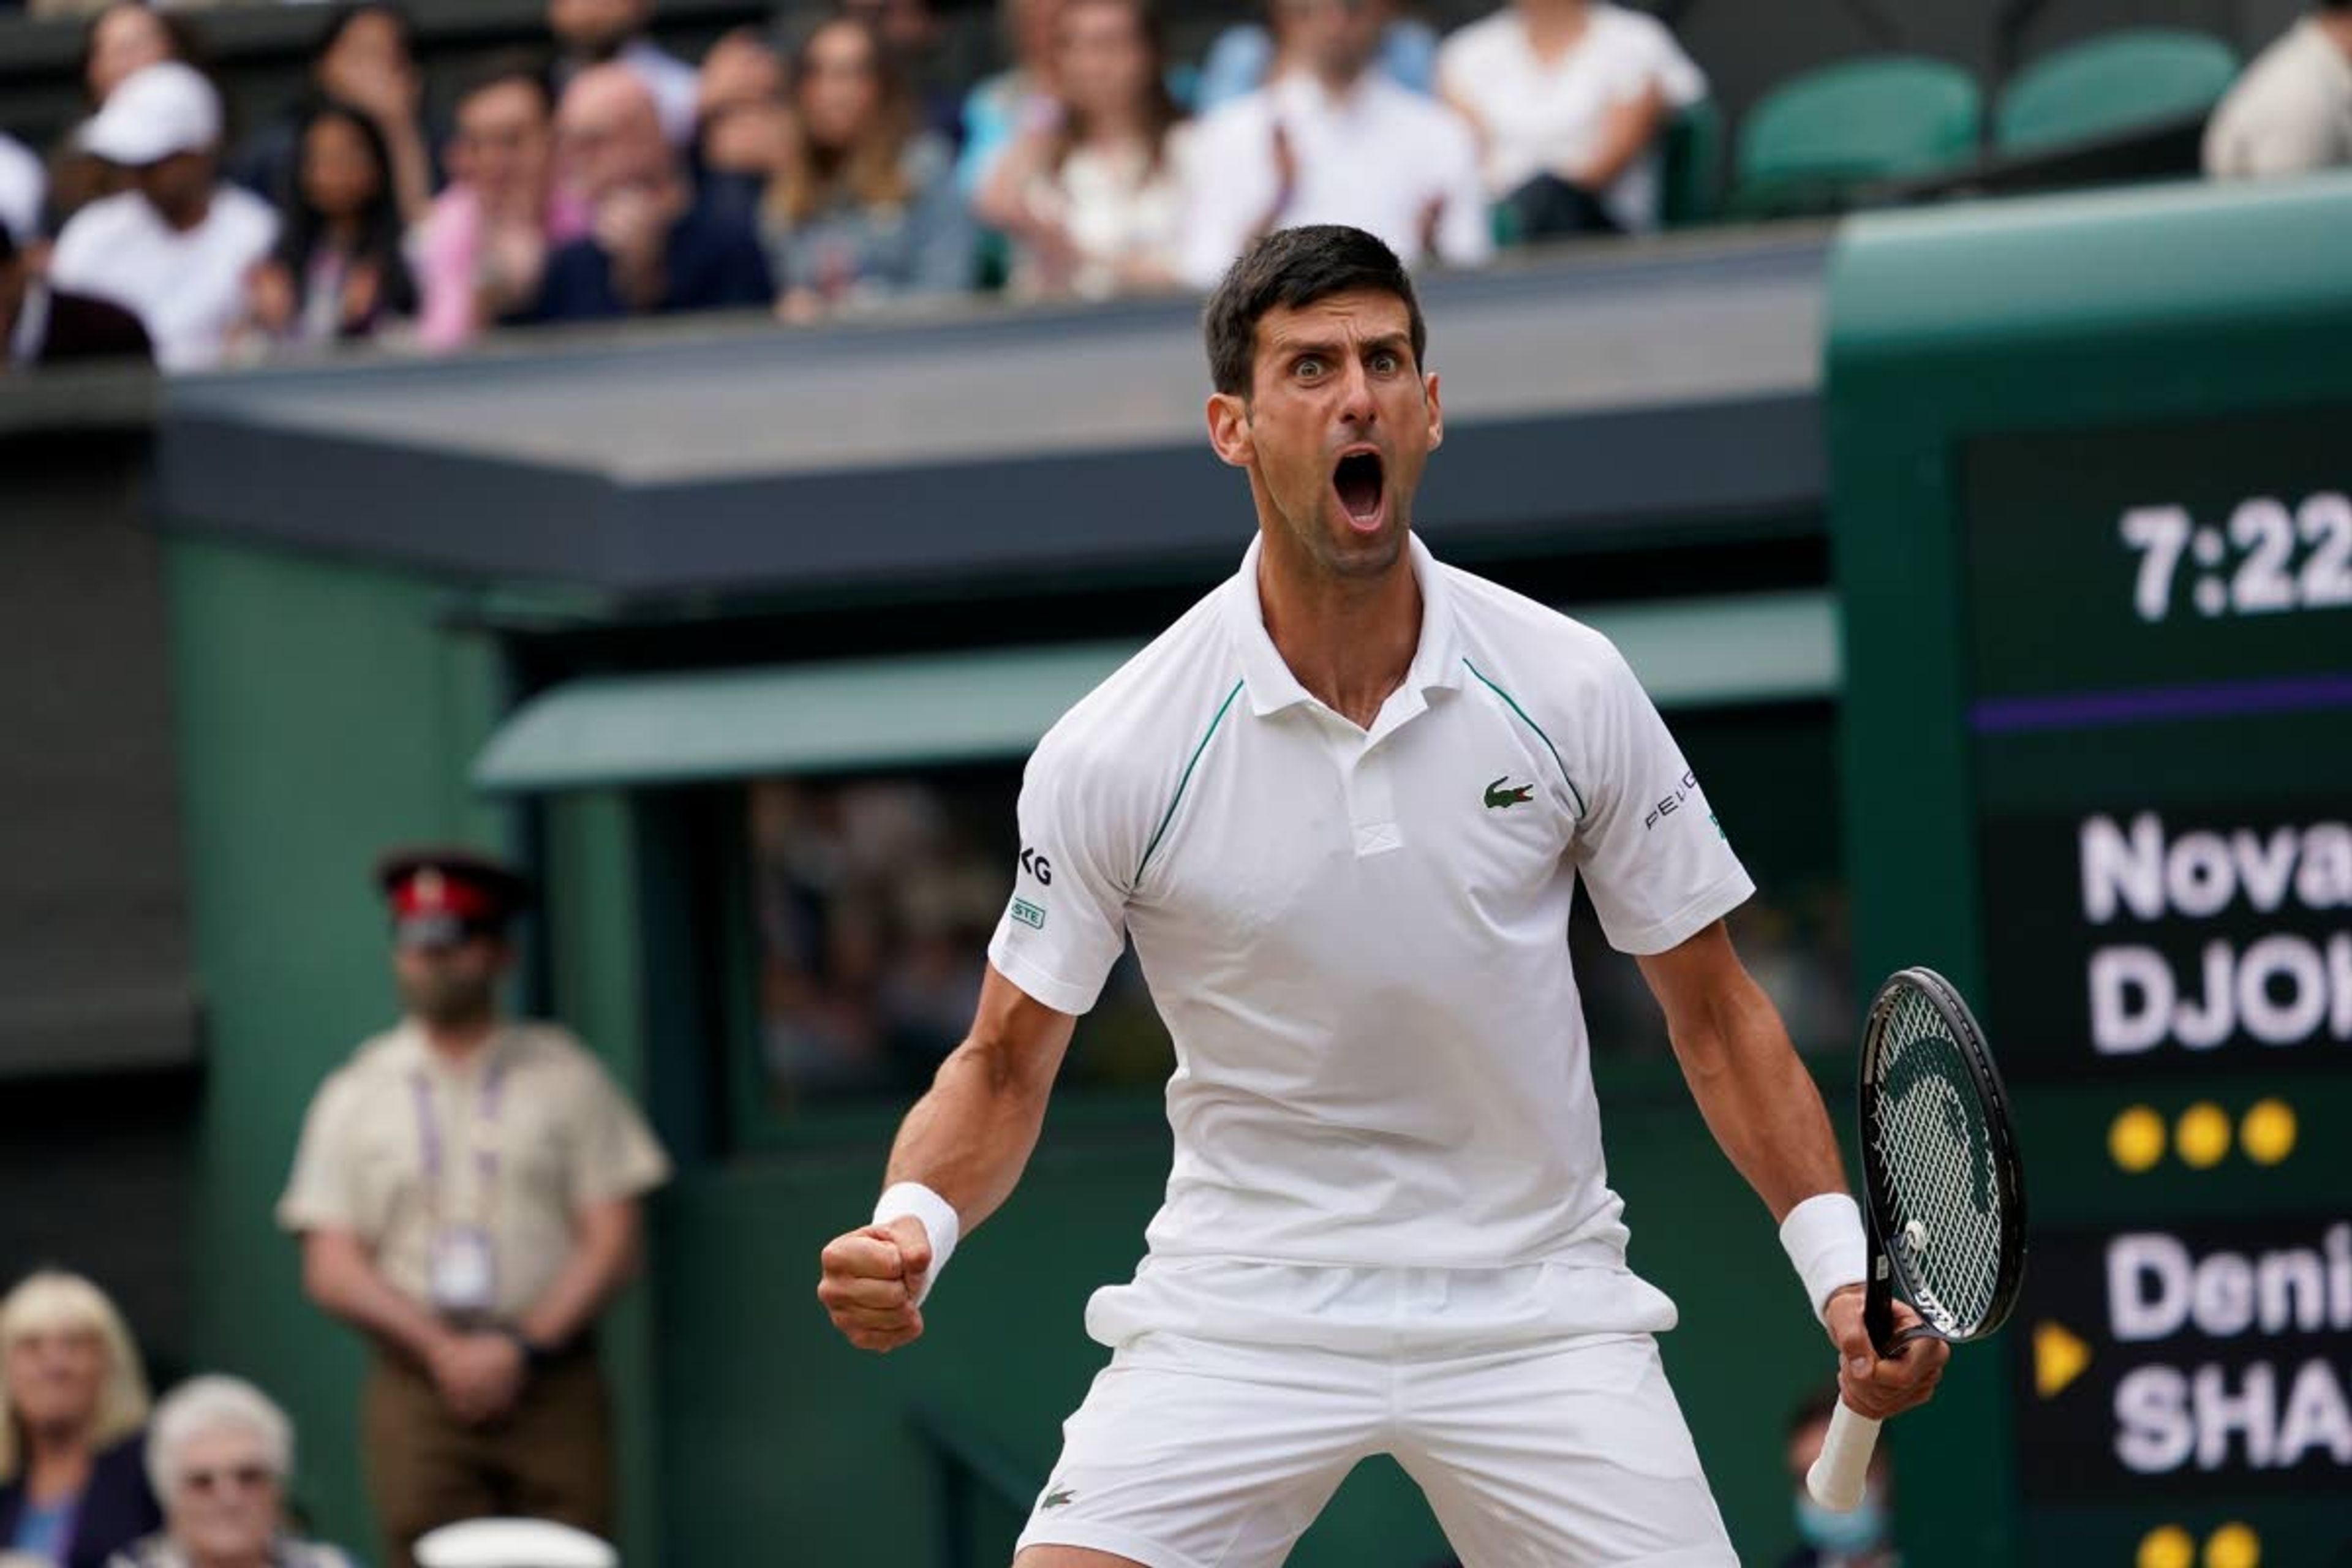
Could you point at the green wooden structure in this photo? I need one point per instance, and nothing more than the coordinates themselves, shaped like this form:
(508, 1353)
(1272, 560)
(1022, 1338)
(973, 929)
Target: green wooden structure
(2089, 475)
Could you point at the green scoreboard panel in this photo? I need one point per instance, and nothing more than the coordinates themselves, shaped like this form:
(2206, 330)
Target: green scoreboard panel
(2093, 496)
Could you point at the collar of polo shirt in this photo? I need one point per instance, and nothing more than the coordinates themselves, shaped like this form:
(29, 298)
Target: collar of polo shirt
(1436, 659)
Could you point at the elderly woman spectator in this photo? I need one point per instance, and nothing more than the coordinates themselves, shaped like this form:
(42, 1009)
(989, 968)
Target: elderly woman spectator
(219, 1455)
(864, 205)
(1568, 98)
(73, 1402)
(480, 255)
(1094, 197)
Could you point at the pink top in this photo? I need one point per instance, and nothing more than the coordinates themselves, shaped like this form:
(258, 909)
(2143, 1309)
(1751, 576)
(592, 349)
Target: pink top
(449, 252)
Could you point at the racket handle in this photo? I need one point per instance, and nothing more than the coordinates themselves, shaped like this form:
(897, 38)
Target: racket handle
(1837, 1476)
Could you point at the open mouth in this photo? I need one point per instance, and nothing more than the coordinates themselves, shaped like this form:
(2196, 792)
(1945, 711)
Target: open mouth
(1359, 479)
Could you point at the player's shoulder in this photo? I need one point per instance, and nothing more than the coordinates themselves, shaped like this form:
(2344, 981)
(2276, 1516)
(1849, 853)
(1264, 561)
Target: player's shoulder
(1509, 634)
(1153, 705)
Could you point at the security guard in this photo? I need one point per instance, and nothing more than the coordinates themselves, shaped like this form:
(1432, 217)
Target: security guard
(466, 1193)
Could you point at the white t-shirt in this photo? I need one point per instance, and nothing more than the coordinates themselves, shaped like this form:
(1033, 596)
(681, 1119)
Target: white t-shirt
(1377, 158)
(188, 288)
(1536, 117)
(1359, 941)
(22, 185)
(2290, 113)
(1116, 207)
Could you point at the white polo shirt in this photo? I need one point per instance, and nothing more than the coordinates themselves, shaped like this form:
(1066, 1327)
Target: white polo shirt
(1537, 116)
(1359, 941)
(1378, 157)
(188, 287)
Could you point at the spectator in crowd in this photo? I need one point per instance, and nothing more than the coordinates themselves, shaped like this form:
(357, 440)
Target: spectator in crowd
(468, 1194)
(909, 30)
(365, 58)
(23, 186)
(1861, 1538)
(338, 271)
(607, 32)
(175, 249)
(1244, 58)
(39, 326)
(219, 1454)
(124, 37)
(1021, 95)
(2291, 112)
(742, 118)
(73, 1410)
(654, 245)
(481, 254)
(1568, 98)
(1092, 198)
(1334, 142)
(865, 204)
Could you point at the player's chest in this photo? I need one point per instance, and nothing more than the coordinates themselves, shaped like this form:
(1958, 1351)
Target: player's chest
(1304, 819)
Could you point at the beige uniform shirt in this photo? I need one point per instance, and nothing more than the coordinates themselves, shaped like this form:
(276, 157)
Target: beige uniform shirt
(523, 1136)
(2290, 113)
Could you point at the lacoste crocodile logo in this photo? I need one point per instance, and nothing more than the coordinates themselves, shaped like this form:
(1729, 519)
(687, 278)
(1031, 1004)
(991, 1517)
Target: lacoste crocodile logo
(1496, 796)
(1059, 1497)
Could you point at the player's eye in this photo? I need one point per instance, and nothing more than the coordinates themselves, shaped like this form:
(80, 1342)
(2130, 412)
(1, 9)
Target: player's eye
(1308, 367)
(1385, 362)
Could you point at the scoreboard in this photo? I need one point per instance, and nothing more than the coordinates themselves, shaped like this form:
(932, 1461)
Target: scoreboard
(2092, 498)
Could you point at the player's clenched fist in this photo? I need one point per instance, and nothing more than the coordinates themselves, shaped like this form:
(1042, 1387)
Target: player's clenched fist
(873, 1277)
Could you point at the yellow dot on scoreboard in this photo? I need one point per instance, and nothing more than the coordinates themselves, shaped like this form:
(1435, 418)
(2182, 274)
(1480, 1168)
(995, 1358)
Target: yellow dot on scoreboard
(2202, 1135)
(2234, 1546)
(2136, 1139)
(2166, 1546)
(2267, 1134)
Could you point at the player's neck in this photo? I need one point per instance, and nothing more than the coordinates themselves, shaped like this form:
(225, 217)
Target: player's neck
(1348, 641)
(1552, 26)
(2337, 27)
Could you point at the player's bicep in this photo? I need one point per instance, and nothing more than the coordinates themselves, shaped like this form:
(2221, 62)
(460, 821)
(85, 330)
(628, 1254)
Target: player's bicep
(1065, 922)
(1653, 854)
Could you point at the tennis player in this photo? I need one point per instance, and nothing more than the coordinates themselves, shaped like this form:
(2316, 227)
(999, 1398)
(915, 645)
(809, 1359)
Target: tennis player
(1341, 808)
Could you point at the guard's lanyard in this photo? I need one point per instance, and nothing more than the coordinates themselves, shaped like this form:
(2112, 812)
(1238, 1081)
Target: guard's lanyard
(485, 1129)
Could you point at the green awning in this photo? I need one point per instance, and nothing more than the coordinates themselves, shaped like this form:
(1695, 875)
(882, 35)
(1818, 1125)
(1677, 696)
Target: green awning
(697, 726)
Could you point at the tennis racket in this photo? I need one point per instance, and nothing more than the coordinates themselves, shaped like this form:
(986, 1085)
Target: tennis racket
(1943, 1195)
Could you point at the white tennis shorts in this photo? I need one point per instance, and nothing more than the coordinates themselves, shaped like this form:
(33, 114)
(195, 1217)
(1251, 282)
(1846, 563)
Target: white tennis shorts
(1567, 1452)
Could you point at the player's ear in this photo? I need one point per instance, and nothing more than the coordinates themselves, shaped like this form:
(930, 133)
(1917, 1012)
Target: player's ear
(1229, 429)
(1436, 411)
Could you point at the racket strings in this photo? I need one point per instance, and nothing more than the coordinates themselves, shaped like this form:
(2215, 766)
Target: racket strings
(1933, 1146)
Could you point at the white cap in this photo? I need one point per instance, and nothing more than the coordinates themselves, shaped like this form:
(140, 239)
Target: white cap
(512, 1543)
(154, 112)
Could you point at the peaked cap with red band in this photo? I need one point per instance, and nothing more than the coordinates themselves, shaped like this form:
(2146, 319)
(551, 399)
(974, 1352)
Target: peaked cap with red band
(441, 894)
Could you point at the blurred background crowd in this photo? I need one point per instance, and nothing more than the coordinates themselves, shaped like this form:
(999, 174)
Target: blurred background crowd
(834, 159)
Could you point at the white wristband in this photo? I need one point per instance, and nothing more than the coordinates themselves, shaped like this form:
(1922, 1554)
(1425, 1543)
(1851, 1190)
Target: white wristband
(940, 1223)
(1824, 1238)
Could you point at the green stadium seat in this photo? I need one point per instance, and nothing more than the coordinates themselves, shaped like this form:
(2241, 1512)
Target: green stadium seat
(2111, 84)
(1690, 178)
(1813, 139)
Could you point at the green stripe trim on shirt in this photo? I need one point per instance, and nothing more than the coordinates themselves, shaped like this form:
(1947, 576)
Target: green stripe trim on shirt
(1162, 832)
(1576, 794)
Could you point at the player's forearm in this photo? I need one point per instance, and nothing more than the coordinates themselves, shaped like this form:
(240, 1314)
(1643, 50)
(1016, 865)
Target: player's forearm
(1758, 1098)
(339, 1277)
(971, 1136)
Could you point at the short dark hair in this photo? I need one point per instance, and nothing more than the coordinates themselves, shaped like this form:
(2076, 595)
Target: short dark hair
(1293, 268)
(522, 67)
